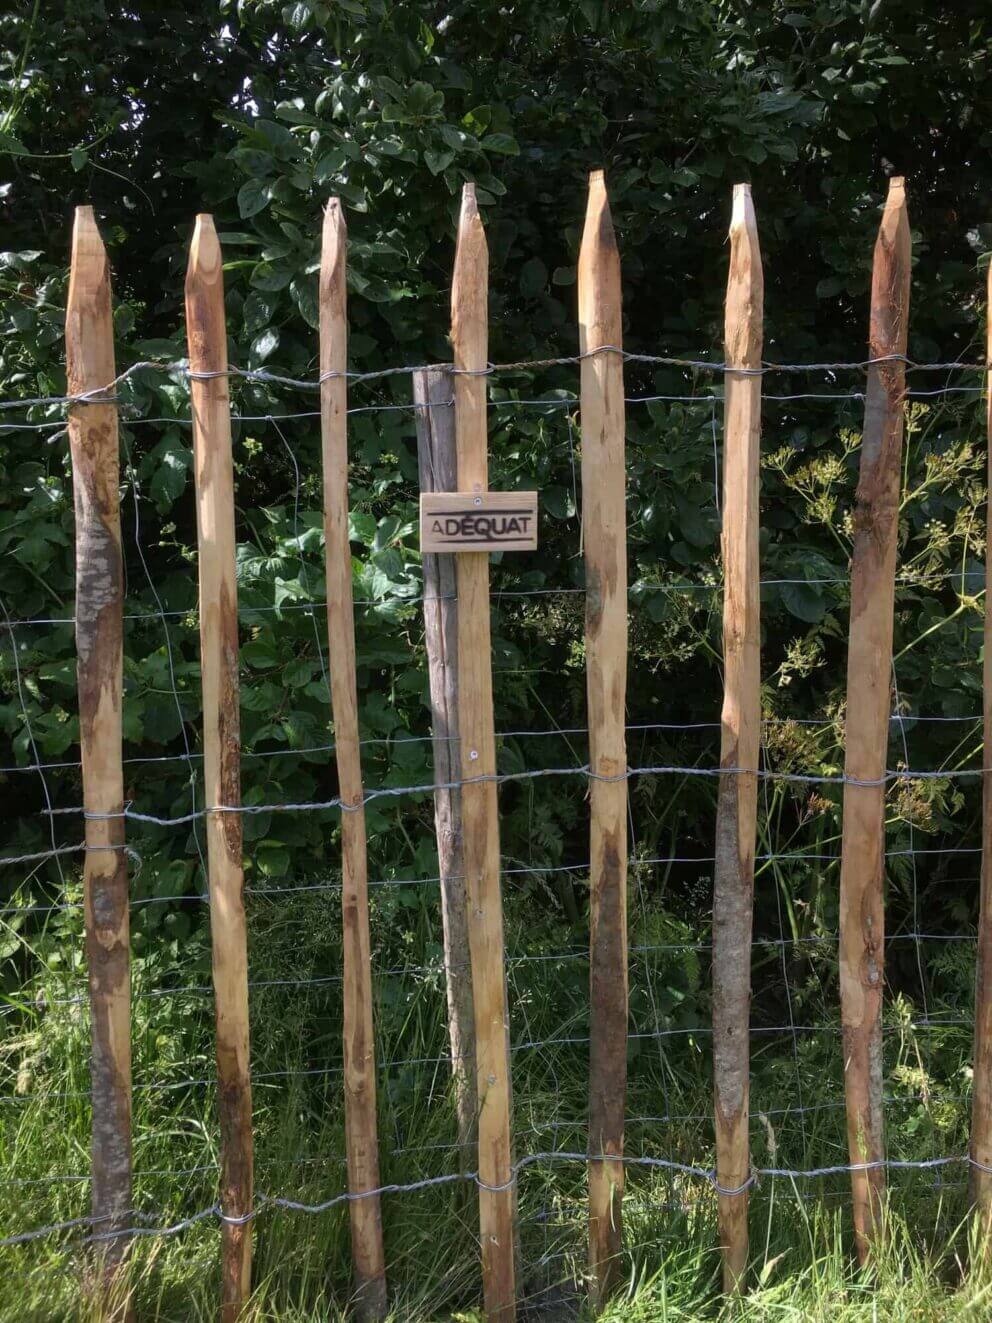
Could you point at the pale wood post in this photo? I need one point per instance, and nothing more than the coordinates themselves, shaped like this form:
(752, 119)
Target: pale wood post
(869, 679)
(981, 1106)
(361, 1130)
(214, 476)
(604, 534)
(480, 825)
(93, 440)
(733, 877)
(433, 395)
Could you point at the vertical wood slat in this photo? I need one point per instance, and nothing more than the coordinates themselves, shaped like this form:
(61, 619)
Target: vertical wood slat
(433, 397)
(480, 825)
(214, 477)
(604, 534)
(361, 1127)
(869, 668)
(737, 803)
(981, 1106)
(93, 441)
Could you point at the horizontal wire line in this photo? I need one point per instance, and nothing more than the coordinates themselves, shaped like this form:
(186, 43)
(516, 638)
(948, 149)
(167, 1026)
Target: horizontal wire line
(907, 580)
(104, 394)
(503, 778)
(398, 740)
(58, 427)
(530, 870)
(264, 1201)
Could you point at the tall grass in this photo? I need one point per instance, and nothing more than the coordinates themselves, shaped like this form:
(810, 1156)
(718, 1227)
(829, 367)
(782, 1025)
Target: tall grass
(800, 1238)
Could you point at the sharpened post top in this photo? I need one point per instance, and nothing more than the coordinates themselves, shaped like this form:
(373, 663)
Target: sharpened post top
(89, 334)
(470, 288)
(333, 310)
(89, 257)
(742, 209)
(204, 251)
(205, 318)
(470, 206)
(599, 272)
(334, 221)
(333, 248)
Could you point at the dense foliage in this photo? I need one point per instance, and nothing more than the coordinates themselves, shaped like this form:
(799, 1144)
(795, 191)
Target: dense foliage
(259, 111)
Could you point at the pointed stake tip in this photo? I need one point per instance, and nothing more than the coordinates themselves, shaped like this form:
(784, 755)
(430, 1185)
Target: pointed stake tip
(334, 220)
(742, 206)
(469, 214)
(897, 183)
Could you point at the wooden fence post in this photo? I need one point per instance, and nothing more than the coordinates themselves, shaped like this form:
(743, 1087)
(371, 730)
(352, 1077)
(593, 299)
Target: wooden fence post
(480, 824)
(737, 804)
(89, 343)
(433, 396)
(206, 333)
(604, 532)
(981, 1107)
(869, 682)
(361, 1127)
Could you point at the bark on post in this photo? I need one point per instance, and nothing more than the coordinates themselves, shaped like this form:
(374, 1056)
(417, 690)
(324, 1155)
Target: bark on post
(93, 441)
(733, 877)
(480, 825)
(981, 1107)
(434, 397)
(214, 477)
(604, 531)
(361, 1131)
(869, 671)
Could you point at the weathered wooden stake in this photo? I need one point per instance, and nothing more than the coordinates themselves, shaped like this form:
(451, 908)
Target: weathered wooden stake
(604, 533)
(89, 344)
(361, 1129)
(733, 876)
(981, 1106)
(869, 682)
(433, 394)
(480, 825)
(206, 333)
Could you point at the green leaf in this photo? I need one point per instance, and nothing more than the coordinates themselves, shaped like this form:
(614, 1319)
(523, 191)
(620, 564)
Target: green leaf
(437, 161)
(805, 601)
(271, 277)
(304, 292)
(78, 158)
(253, 197)
(533, 278)
(501, 143)
(11, 146)
(265, 345)
(258, 311)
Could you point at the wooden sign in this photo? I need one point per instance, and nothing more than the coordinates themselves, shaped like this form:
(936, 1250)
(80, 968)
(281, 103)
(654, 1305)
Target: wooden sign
(478, 521)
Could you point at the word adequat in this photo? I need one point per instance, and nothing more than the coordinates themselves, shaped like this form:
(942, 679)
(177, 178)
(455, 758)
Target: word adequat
(478, 521)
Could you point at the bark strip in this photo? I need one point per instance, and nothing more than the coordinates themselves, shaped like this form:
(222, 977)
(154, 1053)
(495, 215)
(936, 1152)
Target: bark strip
(214, 477)
(869, 685)
(480, 824)
(93, 442)
(604, 535)
(361, 1132)
(981, 1106)
(434, 396)
(733, 877)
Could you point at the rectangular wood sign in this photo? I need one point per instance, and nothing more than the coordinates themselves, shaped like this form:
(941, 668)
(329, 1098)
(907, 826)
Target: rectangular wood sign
(478, 521)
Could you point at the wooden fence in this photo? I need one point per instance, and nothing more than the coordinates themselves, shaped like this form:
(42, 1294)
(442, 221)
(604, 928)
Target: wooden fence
(458, 638)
